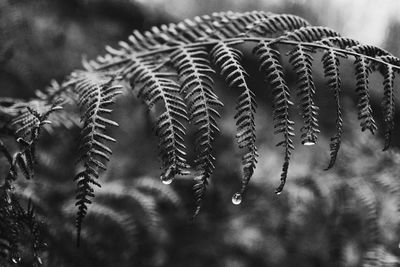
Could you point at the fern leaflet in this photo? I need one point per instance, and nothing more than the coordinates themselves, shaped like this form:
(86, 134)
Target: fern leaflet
(363, 70)
(301, 60)
(388, 103)
(331, 63)
(193, 68)
(96, 91)
(273, 71)
(228, 60)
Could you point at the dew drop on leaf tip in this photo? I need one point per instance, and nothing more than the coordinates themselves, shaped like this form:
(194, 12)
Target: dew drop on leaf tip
(309, 143)
(166, 180)
(237, 198)
(16, 260)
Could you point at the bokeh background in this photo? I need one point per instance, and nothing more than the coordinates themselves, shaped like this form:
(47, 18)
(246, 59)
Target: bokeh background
(346, 216)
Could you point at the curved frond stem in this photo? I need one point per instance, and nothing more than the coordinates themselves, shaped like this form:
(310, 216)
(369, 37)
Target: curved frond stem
(237, 40)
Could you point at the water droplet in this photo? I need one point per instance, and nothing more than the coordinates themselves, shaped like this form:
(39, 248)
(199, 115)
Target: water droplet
(278, 192)
(309, 143)
(166, 180)
(16, 260)
(168, 176)
(237, 198)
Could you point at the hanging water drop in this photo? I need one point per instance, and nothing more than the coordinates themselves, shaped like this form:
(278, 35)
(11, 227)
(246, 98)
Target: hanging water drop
(168, 176)
(166, 180)
(309, 142)
(16, 260)
(237, 198)
(278, 192)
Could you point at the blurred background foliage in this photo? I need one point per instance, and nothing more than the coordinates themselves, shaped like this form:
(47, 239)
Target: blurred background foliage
(347, 216)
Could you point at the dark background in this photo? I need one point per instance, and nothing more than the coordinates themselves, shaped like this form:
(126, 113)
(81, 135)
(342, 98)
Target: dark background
(342, 216)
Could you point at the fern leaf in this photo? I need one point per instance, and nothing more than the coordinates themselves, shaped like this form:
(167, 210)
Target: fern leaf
(235, 24)
(368, 199)
(338, 41)
(30, 115)
(362, 71)
(193, 68)
(369, 50)
(273, 71)
(390, 59)
(96, 92)
(159, 88)
(388, 103)
(125, 220)
(301, 60)
(276, 24)
(152, 187)
(310, 34)
(228, 60)
(143, 203)
(330, 61)
(218, 25)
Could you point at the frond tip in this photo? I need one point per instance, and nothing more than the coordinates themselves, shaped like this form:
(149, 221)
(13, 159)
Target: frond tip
(96, 92)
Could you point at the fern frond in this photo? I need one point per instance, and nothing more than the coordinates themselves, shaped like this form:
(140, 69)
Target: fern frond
(24, 159)
(17, 222)
(159, 191)
(96, 92)
(228, 60)
(32, 115)
(340, 42)
(390, 59)
(273, 71)
(310, 34)
(124, 220)
(388, 103)
(102, 212)
(219, 26)
(151, 61)
(301, 60)
(194, 69)
(368, 199)
(369, 50)
(362, 71)
(276, 24)
(159, 88)
(114, 192)
(330, 61)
